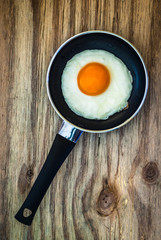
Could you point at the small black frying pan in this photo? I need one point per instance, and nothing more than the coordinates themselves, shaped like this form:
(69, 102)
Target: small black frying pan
(73, 124)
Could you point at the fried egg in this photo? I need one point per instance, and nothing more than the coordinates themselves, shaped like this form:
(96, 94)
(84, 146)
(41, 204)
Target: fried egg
(96, 84)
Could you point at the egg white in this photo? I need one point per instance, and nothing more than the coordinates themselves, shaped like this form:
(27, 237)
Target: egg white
(113, 100)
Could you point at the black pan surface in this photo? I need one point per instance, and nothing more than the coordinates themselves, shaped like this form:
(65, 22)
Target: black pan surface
(120, 48)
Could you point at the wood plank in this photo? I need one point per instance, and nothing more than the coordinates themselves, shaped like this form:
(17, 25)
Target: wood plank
(116, 162)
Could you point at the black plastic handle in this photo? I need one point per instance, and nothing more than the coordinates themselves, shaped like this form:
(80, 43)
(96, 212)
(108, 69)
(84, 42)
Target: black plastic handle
(59, 151)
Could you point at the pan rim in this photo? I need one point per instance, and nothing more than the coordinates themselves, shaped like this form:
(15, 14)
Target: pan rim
(48, 88)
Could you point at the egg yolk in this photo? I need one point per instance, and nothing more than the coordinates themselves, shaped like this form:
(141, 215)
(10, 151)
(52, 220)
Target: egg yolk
(93, 79)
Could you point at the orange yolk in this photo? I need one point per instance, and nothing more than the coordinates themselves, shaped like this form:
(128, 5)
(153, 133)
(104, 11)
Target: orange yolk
(93, 79)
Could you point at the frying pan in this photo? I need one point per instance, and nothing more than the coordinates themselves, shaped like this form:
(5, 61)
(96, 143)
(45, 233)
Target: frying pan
(73, 125)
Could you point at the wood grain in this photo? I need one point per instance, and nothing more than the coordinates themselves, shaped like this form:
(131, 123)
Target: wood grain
(116, 162)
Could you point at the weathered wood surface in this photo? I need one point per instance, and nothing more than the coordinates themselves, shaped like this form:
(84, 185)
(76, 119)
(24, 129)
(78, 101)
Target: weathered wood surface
(30, 32)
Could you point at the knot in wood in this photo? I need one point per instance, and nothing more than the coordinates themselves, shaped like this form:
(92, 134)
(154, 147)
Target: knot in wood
(150, 173)
(106, 202)
(30, 173)
(24, 179)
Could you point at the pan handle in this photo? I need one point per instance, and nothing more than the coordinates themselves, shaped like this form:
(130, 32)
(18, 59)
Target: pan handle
(63, 144)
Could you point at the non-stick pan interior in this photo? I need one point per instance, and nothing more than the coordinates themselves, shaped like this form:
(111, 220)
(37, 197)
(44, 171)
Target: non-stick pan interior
(120, 48)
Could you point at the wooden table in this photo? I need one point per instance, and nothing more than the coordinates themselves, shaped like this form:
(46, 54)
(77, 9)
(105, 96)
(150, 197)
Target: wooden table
(125, 162)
